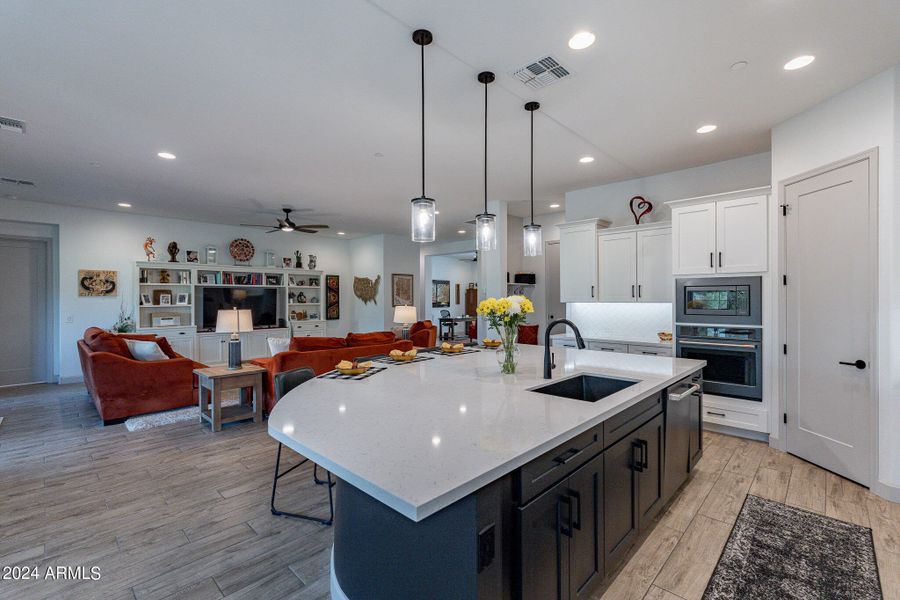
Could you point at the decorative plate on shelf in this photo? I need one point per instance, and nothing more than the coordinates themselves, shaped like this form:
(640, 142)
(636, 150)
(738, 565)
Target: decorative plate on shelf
(241, 250)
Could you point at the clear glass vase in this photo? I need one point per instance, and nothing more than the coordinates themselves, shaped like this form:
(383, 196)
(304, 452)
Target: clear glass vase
(508, 352)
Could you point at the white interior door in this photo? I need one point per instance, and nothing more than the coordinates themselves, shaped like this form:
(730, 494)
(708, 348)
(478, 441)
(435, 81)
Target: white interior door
(23, 312)
(694, 239)
(829, 265)
(618, 267)
(741, 235)
(555, 308)
(654, 265)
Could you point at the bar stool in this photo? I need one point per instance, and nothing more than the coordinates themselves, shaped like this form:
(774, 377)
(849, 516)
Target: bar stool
(284, 383)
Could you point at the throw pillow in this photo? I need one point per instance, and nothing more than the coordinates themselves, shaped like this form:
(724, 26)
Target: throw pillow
(103, 341)
(278, 345)
(145, 350)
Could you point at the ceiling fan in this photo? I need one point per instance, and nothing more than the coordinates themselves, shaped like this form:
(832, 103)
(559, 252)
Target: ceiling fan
(287, 225)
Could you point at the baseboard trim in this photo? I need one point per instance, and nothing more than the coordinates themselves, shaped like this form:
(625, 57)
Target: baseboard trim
(737, 432)
(70, 379)
(886, 491)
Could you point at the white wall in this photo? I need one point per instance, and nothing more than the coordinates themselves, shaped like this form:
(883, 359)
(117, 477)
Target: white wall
(456, 272)
(401, 255)
(630, 322)
(94, 239)
(610, 201)
(863, 117)
(367, 260)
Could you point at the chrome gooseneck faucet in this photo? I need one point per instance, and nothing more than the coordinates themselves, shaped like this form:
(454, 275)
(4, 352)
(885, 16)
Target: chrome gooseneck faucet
(548, 364)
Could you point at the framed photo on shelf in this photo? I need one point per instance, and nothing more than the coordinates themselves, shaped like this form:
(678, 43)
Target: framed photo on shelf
(158, 294)
(165, 299)
(314, 281)
(287, 262)
(182, 299)
(146, 300)
(192, 256)
(401, 289)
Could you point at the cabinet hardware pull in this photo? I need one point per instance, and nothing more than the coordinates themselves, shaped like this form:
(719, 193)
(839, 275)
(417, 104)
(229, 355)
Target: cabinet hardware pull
(567, 456)
(720, 259)
(637, 464)
(566, 531)
(577, 496)
(592, 291)
(639, 290)
(632, 291)
(645, 453)
(694, 387)
(608, 349)
(717, 344)
(711, 260)
(650, 353)
(715, 414)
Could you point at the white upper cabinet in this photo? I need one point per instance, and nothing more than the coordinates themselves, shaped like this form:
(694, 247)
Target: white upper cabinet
(694, 239)
(727, 233)
(636, 264)
(618, 267)
(578, 261)
(654, 265)
(741, 235)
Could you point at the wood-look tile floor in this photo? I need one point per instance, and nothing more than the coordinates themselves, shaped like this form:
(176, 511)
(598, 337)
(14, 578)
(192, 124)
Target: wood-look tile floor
(180, 512)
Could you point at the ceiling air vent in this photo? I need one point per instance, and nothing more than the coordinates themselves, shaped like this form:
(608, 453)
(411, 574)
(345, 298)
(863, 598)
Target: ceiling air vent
(13, 125)
(16, 181)
(541, 72)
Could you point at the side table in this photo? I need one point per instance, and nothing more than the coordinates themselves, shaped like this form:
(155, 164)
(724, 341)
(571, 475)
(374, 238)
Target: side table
(215, 380)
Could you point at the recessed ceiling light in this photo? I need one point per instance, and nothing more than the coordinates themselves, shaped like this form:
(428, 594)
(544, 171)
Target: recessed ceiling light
(437, 212)
(341, 233)
(739, 65)
(124, 205)
(461, 231)
(581, 40)
(799, 62)
(166, 155)
(554, 205)
(707, 128)
(586, 159)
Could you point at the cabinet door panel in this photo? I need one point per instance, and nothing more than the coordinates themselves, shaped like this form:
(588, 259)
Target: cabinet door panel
(543, 546)
(650, 480)
(618, 267)
(578, 264)
(586, 548)
(654, 266)
(742, 235)
(182, 344)
(211, 349)
(694, 239)
(620, 522)
(254, 345)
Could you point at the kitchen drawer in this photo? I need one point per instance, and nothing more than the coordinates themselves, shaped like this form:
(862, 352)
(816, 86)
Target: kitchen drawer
(550, 467)
(309, 334)
(564, 343)
(649, 350)
(620, 425)
(729, 413)
(607, 346)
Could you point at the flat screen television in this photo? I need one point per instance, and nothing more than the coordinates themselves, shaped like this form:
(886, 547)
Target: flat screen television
(262, 302)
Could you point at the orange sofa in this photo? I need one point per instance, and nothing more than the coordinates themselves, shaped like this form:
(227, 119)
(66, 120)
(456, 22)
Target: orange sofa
(423, 334)
(122, 387)
(322, 353)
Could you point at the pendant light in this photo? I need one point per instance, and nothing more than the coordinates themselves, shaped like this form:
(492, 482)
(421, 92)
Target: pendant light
(531, 233)
(423, 207)
(485, 223)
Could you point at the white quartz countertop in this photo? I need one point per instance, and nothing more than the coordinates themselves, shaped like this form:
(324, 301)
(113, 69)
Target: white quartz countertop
(420, 436)
(650, 341)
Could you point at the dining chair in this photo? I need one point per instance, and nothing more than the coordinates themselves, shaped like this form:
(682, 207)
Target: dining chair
(445, 314)
(284, 383)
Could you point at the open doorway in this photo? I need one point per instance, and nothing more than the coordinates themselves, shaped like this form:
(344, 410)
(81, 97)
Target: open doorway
(451, 293)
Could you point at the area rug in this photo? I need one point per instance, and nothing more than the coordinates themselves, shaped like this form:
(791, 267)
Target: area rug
(168, 417)
(779, 552)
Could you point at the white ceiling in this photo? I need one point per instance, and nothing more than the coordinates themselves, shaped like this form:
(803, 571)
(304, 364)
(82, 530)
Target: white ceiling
(288, 102)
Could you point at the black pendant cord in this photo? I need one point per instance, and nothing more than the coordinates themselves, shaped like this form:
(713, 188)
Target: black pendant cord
(423, 120)
(485, 145)
(532, 167)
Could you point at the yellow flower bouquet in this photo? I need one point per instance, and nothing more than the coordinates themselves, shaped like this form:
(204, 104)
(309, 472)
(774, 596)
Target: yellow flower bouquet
(505, 315)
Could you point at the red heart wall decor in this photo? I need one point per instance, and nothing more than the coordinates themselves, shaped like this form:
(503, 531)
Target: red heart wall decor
(643, 205)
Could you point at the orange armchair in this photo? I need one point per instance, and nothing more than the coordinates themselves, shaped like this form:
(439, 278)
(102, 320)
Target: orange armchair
(423, 334)
(121, 386)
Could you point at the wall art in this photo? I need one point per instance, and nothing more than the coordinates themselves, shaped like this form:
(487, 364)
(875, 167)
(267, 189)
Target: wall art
(332, 297)
(440, 293)
(98, 283)
(402, 289)
(643, 205)
(366, 289)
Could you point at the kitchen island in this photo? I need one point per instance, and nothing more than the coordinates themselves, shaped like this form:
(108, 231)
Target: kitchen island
(457, 482)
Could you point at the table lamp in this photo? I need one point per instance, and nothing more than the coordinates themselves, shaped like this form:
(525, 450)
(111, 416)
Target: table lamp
(234, 321)
(406, 316)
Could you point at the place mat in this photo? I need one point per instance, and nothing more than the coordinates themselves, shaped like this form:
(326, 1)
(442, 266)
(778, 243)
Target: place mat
(390, 361)
(463, 351)
(338, 375)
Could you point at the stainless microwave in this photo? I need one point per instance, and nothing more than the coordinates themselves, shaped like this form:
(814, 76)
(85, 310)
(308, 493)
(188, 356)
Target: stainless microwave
(719, 300)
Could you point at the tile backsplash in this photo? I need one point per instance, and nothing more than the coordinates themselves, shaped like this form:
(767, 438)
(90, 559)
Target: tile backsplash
(621, 321)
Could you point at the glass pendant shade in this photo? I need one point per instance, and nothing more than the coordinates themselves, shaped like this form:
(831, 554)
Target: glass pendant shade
(485, 232)
(422, 219)
(531, 239)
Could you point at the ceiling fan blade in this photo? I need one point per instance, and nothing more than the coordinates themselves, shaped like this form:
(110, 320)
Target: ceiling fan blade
(249, 225)
(301, 230)
(313, 226)
(273, 230)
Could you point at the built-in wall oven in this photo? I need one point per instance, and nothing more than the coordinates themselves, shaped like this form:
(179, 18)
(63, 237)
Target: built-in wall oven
(719, 320)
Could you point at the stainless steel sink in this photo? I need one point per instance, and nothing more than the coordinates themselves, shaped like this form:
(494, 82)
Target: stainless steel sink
(587, 388)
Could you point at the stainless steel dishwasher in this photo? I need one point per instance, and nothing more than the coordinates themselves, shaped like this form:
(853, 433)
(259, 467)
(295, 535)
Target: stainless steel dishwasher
(684, 430)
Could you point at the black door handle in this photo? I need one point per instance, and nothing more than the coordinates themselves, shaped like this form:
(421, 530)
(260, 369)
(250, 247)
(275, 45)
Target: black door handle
(859, 364)
(577, 496)
(637, 464)
(566, 531)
